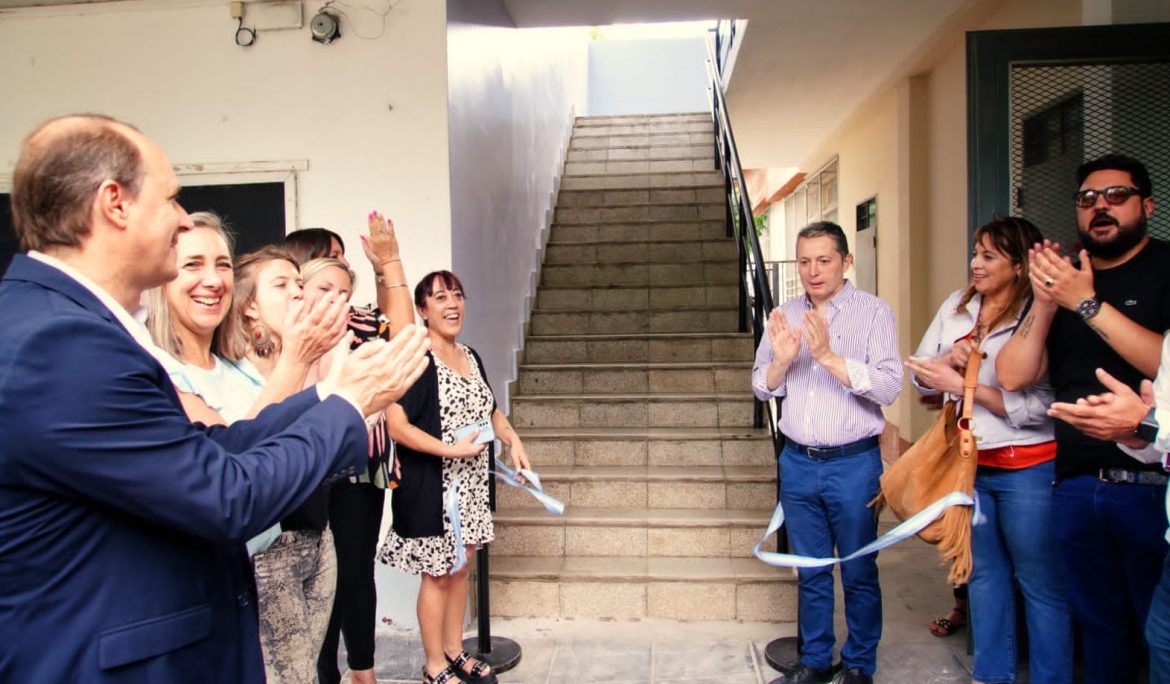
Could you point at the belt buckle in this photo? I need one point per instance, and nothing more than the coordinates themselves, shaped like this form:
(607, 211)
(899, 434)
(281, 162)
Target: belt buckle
(814, 452)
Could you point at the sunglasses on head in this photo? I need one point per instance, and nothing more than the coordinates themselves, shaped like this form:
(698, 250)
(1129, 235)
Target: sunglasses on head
(1114, 194)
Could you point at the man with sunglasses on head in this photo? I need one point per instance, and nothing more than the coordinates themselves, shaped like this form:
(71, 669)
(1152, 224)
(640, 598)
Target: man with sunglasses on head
(1107, 311)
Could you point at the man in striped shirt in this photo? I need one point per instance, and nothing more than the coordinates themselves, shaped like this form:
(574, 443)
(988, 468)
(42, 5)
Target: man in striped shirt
(832, 355)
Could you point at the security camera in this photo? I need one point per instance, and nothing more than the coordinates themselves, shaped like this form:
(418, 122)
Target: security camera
(325, 27)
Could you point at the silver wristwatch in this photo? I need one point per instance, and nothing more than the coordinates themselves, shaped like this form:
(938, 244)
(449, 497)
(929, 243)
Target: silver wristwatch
(1089, 307)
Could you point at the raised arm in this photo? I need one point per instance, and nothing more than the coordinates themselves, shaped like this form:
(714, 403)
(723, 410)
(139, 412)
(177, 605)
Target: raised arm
(1069, 285)
(381, 248)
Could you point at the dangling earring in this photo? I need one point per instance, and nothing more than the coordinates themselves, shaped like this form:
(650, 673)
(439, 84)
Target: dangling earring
(262, 342)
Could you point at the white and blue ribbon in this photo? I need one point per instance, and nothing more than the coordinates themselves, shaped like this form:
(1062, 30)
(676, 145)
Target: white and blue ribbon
(533, 486)
(451, 506)
(912, 526)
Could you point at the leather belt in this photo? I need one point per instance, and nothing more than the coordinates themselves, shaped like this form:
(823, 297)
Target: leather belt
(826, 453)
(1122, 476)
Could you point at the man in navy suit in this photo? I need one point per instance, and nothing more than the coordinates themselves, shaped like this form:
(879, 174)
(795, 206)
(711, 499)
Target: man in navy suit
(121, 523)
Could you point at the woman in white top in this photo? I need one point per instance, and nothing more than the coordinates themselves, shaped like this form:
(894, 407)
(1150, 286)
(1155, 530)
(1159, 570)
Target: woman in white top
(185, 318)
(196, 318)
(1013, 483)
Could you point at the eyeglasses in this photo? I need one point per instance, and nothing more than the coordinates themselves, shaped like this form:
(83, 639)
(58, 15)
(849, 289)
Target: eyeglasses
(1114, 195)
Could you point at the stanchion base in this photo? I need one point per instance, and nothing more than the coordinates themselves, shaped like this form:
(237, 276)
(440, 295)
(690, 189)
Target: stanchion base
(783, 654)
(505, 653)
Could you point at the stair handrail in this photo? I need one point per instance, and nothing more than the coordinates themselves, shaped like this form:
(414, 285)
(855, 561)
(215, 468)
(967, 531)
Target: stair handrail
(755, 289)
(755, 292)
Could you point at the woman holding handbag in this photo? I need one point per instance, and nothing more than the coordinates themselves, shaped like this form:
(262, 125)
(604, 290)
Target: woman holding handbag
(1016, 452)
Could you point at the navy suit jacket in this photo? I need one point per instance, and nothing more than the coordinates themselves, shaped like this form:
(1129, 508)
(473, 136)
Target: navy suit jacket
(121, 522)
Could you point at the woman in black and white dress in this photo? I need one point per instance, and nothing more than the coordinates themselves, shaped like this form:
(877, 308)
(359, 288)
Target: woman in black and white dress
(453, 393)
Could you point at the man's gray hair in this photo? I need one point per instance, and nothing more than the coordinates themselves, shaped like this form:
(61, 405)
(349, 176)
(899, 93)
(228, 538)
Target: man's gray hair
(826, 229)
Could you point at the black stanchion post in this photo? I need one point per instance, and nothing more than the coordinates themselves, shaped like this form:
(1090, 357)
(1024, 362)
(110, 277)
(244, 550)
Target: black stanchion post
(783, 653)
(501, 653)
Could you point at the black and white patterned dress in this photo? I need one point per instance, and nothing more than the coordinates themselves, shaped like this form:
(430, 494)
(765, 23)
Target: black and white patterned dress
(462, 401)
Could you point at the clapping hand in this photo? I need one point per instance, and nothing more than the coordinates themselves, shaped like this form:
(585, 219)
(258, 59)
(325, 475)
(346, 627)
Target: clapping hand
(1112, 415)
(1055, 279)
(785, 342)
(311, 331)
(378, 373)
(936, 373)
(816, 334)
(959, 354)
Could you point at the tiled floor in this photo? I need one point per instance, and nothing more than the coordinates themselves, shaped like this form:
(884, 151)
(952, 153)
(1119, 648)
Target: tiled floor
(661, 652)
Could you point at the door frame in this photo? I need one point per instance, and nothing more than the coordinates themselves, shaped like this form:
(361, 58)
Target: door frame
(990, 57)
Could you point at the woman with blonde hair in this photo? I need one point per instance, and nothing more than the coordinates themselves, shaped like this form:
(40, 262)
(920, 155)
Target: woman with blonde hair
(356, 503)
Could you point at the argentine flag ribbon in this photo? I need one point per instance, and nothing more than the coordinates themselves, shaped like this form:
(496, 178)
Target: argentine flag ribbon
(451, 506)
(533, 487)
(912, 526)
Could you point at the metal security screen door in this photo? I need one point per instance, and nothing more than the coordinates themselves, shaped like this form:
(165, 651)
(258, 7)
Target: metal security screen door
(1043, 101)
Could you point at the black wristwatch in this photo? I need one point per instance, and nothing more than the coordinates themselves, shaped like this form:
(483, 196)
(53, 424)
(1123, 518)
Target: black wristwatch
(1147, 430)
(1089, 307)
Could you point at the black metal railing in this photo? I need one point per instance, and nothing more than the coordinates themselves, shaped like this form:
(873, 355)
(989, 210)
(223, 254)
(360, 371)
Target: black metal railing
(724, 36)
(755, 292)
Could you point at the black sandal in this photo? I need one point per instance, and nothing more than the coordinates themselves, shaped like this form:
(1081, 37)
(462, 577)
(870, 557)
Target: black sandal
(944, 627)
(445, 677)
(480, 672)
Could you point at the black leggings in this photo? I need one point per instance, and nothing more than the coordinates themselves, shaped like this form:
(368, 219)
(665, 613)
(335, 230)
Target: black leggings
(355, 516)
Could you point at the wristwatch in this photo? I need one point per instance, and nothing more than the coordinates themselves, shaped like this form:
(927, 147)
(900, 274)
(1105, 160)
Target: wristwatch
(1147, 430)
(1089, 307)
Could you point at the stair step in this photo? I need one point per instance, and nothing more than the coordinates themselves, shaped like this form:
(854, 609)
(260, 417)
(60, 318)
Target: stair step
(642, 152)
(720, 249)
(633, 274)
(642, 446)
(639, 231)
(643, 531)
(633, 410)
(622, 588)
(644, 128)
(628, 166)
(680, 320)
(661, 347)
(610, 140)
(612, 119)
(657, 179)
(642, 213)
(744, 487)
(620, 198)
(536, 380)
(636, 298)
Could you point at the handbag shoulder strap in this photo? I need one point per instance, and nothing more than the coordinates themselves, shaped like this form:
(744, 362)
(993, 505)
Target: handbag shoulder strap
(967, 446)
(971, 381)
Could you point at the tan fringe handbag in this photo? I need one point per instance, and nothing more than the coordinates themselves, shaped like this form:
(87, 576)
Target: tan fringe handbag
(942, 461)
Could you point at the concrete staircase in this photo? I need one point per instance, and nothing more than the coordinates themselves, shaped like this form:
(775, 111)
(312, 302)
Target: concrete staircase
(634, 400)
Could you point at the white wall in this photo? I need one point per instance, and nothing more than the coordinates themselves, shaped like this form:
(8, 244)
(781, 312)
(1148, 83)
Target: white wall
(648, 76)
(512, 93)
(172, 69)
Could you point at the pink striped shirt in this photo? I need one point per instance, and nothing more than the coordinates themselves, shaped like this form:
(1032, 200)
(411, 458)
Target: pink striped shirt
(819, 410)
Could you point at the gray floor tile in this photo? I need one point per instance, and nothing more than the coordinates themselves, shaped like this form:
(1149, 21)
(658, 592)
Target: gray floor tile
(690, 661)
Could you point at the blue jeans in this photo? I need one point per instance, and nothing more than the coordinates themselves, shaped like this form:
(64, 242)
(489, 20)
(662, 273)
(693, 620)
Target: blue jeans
(1109, 538)
(1158, 629)
(825, 509)
(1016, 540)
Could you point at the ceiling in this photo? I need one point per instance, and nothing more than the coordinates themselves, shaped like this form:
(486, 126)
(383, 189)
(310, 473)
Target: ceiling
(803, 66)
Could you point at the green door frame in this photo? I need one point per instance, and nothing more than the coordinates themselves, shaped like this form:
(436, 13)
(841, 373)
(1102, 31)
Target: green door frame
(990, 57)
